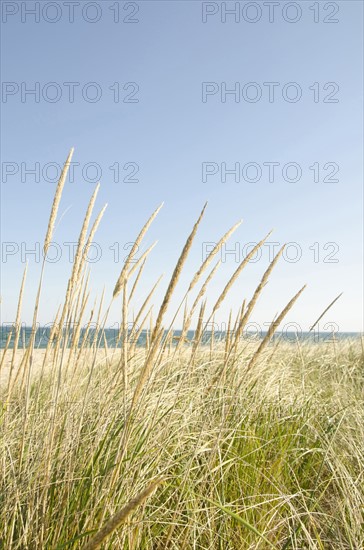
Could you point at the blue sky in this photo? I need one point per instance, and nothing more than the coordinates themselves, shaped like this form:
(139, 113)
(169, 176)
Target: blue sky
(168, 134)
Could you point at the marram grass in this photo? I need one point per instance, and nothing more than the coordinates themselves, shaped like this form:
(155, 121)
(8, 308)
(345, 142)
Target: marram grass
(233, 445)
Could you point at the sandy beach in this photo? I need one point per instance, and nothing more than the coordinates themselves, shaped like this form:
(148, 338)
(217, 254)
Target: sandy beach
(38, 355)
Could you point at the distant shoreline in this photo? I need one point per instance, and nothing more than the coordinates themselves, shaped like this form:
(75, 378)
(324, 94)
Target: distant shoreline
(87, 338)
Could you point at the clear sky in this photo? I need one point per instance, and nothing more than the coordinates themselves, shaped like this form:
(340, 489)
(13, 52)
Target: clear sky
(138, 88)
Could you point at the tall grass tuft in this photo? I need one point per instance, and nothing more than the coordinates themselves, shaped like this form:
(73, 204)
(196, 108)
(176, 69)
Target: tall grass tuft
(259, 442)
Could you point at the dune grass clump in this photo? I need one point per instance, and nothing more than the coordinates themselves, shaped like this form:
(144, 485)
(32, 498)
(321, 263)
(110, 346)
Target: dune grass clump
(232, 444)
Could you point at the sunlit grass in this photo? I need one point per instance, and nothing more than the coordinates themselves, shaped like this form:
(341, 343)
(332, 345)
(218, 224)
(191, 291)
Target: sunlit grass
(229, 445)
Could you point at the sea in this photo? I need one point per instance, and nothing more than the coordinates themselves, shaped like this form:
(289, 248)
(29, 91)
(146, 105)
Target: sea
(110, 337)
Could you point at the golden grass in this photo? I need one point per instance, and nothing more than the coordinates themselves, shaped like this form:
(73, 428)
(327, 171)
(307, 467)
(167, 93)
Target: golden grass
(121, 516)
(259, 443)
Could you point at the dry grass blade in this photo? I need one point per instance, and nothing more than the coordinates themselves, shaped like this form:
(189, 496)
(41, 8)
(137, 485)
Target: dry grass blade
(78, 263)
(80, 314)
(176, 273)
(136, 332)
(239, 270)
(80, 256)
(121, 516)
(210, 257)
(199, 330)
(89, 326)
(228, 339)
(142, 258)
(157, 331)
(27, 360)
(189, 314)
(260, 287)
(239, 330)
(325, 311)
(17, 320)
(135, 328)
(204, 288)
(5, 350)
(124, 326)
(119, 283)
(56, 201)
(91, 238)
(272, 328)
(137, 279)
(135, 248)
